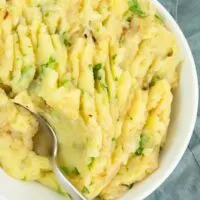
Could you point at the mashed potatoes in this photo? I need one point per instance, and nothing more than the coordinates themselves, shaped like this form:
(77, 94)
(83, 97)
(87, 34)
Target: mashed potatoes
(102, 73)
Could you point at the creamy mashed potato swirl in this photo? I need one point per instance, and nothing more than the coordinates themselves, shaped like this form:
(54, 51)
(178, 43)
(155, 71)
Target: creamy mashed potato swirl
(102, 73)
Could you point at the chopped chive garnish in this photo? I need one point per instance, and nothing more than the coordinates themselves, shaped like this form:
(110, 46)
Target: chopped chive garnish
(75, 171)
(158, 17)
(143, 141)
(96, 70)
(85, 190)
(50, 62)
(65, 170)
(67, 43)
(135, 8)
(91, 163)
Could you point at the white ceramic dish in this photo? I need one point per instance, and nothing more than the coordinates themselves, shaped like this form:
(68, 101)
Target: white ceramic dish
(180, 131)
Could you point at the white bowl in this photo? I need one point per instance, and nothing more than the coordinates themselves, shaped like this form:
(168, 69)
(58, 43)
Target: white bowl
(184, 113)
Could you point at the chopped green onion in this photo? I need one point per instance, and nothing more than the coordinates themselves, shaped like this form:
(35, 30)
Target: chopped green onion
(135, 8)
(67, 43)
(26, 69)
(85, 190)
(116, 78)
(64, 82)
(104, 86)
(91, 163)
(57, 31)
(46, 14)
(143, 141)
(60, 191)
(75, 171)
(96, 70)
(50, 62)
(114, 57)
(158, 17)
(65, 170)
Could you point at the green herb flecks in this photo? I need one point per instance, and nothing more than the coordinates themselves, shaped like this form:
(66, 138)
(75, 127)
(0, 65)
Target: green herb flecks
(104, 86)
(91, 163)
(116, 79)
(96, 71)
(75, 171)
(64, 82)
(46, 14)
(68, 171)
(135, 8)
(67, 43)
(65, 170)
(85, 190)
(64, 38)
(159, 18)
(26, 69)
(57, 31)
(59, 190)
(143, 141)
(51, 61)
(50, 64)
(114, 57)
(27, 73)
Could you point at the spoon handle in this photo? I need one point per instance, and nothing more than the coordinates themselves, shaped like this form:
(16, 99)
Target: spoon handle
(74, 193)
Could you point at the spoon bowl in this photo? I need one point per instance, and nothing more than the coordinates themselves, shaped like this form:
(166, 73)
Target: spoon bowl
(45, 143)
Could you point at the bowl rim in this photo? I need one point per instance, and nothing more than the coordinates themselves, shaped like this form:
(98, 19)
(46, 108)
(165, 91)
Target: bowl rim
(184, 145)
(163, 12)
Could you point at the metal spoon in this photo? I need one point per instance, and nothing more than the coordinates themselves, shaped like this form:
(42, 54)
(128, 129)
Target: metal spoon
(45, 143)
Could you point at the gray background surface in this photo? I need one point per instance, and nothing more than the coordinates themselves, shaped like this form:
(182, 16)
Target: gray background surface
(184, 182)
